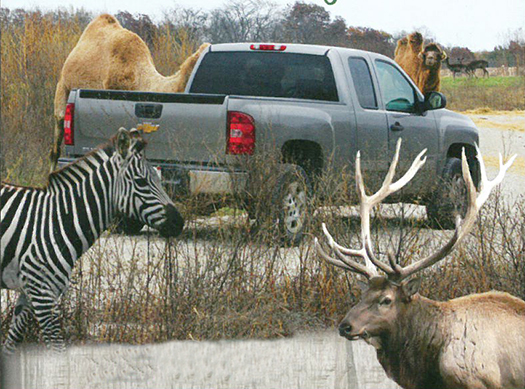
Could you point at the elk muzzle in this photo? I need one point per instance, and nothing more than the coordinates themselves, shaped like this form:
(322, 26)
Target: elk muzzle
(173, 222)
(347, 331)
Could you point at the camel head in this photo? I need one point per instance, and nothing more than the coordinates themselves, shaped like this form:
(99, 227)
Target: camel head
(432, 56)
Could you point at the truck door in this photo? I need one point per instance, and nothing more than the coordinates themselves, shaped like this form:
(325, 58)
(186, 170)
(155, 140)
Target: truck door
(418, 130)
(372, 130)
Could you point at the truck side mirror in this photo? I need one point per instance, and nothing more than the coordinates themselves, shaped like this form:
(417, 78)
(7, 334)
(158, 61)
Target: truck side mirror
(434, 100)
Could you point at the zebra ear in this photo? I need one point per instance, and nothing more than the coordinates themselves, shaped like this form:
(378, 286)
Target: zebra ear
(123, 142)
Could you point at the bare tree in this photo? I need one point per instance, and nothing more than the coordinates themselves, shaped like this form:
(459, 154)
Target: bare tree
(242, 21)
(192, 21)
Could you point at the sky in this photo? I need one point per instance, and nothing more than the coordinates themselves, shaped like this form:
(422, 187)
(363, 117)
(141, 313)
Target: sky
(476, 24)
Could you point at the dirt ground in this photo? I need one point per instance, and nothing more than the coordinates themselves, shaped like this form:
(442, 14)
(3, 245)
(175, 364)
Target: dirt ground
(503, 132)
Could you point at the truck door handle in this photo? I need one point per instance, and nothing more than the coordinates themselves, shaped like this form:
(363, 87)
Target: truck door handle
(148, 111)
(397, 127)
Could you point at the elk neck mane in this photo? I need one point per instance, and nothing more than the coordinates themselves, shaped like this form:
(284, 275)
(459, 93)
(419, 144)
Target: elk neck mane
(414, 343)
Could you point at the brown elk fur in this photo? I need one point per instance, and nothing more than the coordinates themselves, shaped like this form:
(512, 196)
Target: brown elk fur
(474, 342)
(108, 56)
(422, 65)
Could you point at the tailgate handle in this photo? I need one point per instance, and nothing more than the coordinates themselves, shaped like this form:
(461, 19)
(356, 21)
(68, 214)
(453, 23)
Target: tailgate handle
(148, 111)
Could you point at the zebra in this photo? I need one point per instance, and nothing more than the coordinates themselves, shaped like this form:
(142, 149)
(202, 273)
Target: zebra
(45, 230)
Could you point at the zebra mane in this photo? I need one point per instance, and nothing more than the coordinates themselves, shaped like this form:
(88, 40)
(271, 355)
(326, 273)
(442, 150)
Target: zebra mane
(106, 150)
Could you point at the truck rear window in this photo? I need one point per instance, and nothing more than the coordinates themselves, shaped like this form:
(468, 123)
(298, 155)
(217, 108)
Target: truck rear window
(290, 75)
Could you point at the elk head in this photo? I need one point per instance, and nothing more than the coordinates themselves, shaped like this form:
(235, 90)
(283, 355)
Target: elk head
(386, 297)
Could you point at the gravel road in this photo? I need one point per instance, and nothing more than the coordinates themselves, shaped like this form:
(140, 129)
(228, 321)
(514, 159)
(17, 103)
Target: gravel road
(504, 134)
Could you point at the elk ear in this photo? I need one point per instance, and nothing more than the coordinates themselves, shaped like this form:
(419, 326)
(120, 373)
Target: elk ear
(123, 142)
(443, 55)
(421, 56)
(411, 287)
(362, 285)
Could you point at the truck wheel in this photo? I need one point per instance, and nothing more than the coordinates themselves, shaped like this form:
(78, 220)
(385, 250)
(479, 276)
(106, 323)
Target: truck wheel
(291, 197)
(450, 198)
(128, 226)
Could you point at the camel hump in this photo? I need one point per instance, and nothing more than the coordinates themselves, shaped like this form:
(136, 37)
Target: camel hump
(101, 22)
(106, 19)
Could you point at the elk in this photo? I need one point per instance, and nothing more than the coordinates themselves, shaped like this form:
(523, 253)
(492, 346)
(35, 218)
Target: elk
(476, 341)
(456, 67)
(477, 64)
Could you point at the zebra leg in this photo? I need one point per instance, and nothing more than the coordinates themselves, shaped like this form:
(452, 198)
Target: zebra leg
(18, 324)
(45, 307)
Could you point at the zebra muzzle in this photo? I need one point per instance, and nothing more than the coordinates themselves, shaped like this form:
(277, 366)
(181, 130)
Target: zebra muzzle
(174, 223)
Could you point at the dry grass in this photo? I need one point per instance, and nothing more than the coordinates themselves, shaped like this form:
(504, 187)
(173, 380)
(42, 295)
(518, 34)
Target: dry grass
(33, 53)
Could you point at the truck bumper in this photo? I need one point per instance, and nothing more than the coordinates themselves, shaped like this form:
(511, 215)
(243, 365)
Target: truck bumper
(195, 179)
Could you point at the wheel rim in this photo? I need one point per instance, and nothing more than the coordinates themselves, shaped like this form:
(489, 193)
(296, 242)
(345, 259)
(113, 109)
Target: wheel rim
(458, 195)
(294, 203)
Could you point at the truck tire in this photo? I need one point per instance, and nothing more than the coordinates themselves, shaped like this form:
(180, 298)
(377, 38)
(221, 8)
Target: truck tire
(450, 198)
(128, 226)
(291, 196)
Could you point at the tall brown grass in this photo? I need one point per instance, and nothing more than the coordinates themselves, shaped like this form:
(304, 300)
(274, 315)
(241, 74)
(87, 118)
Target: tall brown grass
(33, 53)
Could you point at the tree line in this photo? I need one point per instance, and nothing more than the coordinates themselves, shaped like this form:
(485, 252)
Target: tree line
(262, 20)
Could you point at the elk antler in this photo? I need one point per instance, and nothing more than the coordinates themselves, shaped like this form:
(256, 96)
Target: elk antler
(393, 270)
(367, 203)
(463, 227)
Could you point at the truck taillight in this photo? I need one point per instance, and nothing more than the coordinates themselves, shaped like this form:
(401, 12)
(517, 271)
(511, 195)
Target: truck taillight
(268, 47)
(69, 128)
(241, 134)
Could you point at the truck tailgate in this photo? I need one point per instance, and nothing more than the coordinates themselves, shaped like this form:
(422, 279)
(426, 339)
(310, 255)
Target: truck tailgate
(182, 127)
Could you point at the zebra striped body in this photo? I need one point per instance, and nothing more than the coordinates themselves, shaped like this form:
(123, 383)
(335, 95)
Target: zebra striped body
(45, 230)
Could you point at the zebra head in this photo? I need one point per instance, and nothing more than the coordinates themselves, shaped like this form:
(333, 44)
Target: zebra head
(139, 193)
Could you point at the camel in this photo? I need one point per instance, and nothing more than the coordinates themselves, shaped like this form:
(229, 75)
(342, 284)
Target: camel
(108, 56)
(421, 64)
(407, 54)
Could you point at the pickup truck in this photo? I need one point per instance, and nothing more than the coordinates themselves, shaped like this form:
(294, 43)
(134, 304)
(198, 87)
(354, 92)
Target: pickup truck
(316, 105)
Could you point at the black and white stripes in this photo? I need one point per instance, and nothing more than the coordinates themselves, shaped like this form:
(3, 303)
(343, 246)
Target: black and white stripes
(45, 230)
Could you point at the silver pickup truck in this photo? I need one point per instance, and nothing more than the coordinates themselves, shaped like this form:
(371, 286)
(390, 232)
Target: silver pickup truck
(316, 105)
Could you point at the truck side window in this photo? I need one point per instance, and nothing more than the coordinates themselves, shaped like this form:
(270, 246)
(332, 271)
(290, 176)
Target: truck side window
(398, 94)
(363, 82)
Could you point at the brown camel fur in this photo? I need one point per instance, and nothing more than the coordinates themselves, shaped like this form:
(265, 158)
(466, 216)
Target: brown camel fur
(423, 65)
(108, 56)
(407, 54)
(429, 79)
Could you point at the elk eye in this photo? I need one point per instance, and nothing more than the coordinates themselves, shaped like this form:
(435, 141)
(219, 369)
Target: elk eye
(385, 301)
